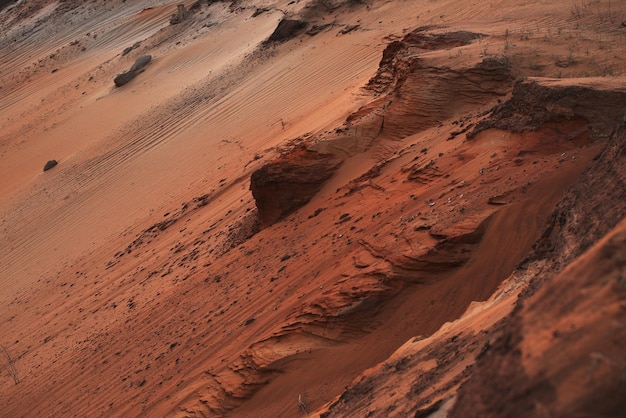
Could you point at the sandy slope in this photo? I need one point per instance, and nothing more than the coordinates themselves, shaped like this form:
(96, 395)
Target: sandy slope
(134, 278)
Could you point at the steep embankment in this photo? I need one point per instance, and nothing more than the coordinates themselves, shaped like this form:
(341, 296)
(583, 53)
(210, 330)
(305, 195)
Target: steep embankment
(490, 345)
(271, 213)
(566, 336)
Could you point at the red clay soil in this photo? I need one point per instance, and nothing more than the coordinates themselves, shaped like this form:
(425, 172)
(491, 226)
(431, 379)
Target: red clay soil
(411, 209)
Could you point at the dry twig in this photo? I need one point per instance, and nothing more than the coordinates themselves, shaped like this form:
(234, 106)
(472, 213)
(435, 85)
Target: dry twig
(302, 405)
(10, 364)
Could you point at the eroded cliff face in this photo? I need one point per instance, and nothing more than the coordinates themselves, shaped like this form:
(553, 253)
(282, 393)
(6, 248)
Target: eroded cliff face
(548, 341)
(410, 96)
(555, 137)
(286, 184)
(535, 103)
(561, 352)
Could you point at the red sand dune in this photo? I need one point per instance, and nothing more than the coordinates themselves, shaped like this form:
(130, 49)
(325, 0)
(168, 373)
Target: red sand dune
(326, 208)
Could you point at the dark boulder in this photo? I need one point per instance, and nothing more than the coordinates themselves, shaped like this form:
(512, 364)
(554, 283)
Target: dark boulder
(50, 164)
(135, 69)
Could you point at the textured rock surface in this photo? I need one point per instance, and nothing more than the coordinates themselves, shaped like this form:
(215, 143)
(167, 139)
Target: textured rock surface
(135, 69)
(558, 351)
(428, 269)
(49, 165)
(287, 29)
(534, 104)
(284, 185)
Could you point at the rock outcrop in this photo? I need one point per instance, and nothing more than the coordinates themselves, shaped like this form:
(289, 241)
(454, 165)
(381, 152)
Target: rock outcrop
(284, 185)
(397, 59)
(557, 352)
(287, 29)
(577, 301)
(533, 104)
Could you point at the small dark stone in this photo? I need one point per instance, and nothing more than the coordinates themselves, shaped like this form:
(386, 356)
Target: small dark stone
(50, 164)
